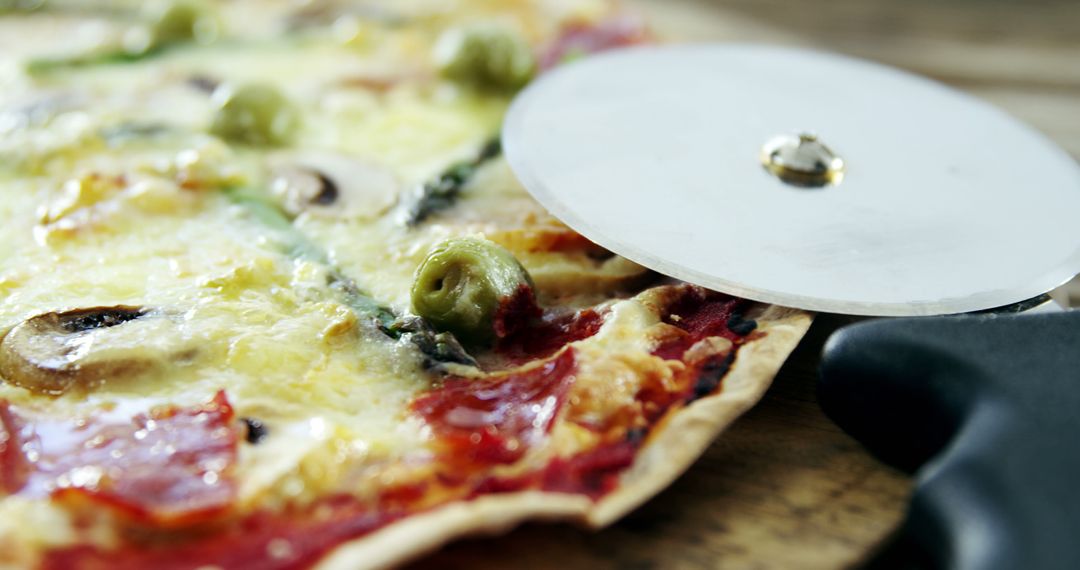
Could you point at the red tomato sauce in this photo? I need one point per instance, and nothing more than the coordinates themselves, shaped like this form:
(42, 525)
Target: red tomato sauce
(515, 312)
(267, 541)
(299, 538)
(701, 314)
(169, 466)
(496, 419)
(479, 423)
(580, 39)
(544, 335)
(593, 473)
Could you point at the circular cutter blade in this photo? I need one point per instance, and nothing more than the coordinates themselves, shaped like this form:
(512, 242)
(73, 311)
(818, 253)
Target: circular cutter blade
(939, 203)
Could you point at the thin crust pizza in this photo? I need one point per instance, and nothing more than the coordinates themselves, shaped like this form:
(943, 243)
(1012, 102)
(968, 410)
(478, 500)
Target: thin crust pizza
(271, 297)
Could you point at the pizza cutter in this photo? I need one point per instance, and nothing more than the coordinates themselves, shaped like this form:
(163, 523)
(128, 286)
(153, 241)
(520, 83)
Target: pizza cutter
(833, 184)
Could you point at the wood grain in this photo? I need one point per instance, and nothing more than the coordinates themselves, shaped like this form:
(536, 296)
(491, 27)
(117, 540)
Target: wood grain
(785, 488)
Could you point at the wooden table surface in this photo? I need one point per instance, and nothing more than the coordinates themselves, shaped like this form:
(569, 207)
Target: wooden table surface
(784, 487)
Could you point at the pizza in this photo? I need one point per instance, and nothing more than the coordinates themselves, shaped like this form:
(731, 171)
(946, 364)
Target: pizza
(270, 297)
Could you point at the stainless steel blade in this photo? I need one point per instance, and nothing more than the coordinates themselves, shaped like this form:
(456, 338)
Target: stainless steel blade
(655, 153)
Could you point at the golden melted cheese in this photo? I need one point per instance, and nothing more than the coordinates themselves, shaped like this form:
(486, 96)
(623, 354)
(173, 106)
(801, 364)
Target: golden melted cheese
(111, 194)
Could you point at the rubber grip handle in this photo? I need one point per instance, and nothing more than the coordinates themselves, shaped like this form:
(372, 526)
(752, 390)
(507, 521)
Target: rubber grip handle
(986, 411)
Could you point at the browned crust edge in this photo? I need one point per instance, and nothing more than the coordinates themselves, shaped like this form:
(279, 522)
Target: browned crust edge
(671, 450)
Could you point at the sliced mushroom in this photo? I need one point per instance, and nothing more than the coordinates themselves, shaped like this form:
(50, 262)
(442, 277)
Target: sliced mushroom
(84, 348)
(333, 185)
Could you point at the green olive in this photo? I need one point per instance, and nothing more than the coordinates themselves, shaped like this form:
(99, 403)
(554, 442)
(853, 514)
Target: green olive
(256, 114)
(461, 284)
(176, 21)
(485, 57)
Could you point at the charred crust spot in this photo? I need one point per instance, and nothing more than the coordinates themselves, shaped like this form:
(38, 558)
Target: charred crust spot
(710, 376)
(98, 318)
(256, 430)
(599, 254)
(741, 325)
(203, 83)
(328, 190)
(636, 435)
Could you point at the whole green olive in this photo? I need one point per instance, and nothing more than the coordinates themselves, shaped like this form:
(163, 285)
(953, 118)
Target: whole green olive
(485, 57)
(176, 21)
(256, 114)
(461, 284)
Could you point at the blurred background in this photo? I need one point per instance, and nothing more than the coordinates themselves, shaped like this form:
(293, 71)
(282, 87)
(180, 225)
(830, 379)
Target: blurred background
(1021, 55)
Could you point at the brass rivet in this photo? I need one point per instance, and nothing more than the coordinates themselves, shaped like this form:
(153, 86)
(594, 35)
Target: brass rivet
(802, 160)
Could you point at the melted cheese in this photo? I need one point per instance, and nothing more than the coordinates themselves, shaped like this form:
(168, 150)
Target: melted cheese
(95, 215)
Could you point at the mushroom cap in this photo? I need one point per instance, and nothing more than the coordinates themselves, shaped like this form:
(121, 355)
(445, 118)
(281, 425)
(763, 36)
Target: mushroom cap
(330, 184)
(53, 352)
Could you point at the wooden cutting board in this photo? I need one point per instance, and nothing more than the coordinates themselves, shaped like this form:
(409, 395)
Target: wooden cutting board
(784, 487)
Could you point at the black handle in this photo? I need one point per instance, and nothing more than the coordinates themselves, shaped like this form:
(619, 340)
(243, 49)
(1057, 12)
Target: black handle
(986, 410)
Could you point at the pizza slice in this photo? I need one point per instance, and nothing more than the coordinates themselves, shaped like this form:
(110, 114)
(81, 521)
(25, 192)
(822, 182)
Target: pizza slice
(270, 296)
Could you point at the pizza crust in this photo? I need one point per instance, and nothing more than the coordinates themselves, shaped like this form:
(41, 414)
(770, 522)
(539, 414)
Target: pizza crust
(671, 449)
